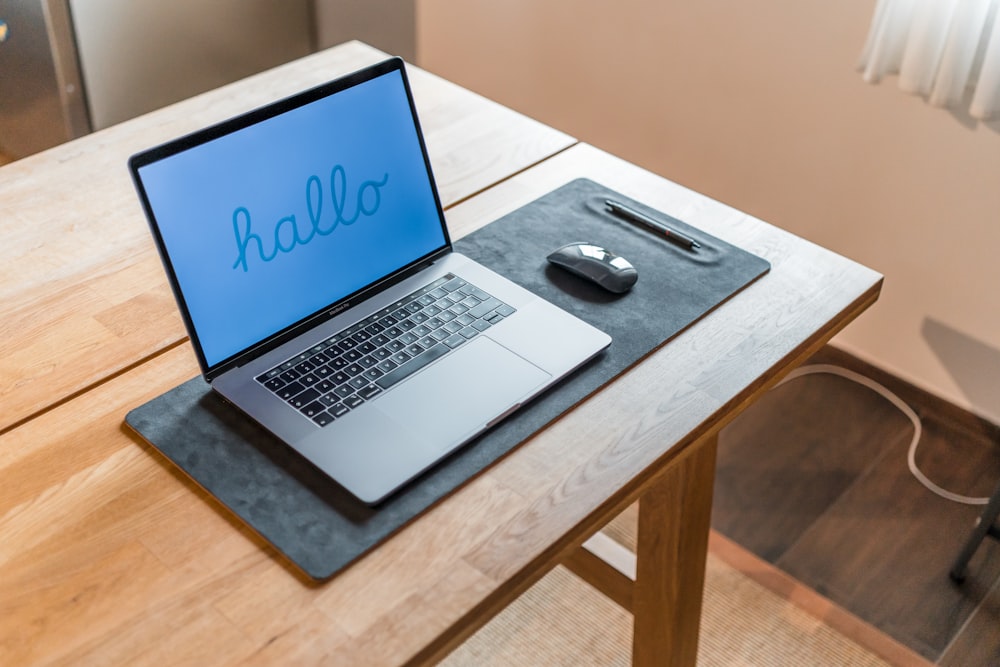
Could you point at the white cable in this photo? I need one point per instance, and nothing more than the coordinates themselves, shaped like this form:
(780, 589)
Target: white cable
(904, 408)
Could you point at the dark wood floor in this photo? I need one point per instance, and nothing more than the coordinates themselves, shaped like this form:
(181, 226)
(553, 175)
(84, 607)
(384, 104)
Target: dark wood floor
(814, 479)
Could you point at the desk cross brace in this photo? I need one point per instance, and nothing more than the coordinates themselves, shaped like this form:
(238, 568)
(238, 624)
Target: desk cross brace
(662, 584)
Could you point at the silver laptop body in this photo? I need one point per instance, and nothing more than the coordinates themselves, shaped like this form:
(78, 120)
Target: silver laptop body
(310, 259)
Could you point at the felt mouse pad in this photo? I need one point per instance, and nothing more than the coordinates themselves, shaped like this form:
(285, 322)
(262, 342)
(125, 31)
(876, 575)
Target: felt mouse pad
(320, 527)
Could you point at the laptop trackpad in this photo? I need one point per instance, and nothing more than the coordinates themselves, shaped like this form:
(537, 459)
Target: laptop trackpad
(456, 397)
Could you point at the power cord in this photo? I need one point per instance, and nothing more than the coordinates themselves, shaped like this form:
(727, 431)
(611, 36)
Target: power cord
(904, 408)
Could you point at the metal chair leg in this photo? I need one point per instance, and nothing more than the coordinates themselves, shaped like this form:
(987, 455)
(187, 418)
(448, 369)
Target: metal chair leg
(986, 526)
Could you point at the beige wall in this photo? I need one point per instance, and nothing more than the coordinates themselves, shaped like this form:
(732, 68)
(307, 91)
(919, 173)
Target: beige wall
(758, 104)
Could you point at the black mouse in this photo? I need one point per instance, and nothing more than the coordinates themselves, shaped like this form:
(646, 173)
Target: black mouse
(603, 267)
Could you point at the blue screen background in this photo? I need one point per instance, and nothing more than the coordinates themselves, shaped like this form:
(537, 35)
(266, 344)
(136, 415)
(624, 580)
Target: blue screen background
(369, 132)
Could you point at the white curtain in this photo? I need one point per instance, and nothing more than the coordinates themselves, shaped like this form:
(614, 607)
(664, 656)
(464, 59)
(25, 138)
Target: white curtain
(941, 49)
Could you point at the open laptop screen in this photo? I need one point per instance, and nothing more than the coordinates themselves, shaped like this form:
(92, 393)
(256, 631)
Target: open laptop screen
(266, 224)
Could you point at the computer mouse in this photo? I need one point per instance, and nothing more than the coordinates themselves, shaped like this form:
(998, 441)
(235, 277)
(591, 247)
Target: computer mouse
(599, 265)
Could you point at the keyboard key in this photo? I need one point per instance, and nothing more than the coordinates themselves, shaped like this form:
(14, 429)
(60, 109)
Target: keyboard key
(368, 362)
(304, 398)
(400, 357)
(387, 365)
(468, 332)
(414, 350)
(481, 325)
(465, 320)
(454, 340)
(329, 399)
(343, 391)
(452, 327)
(485, 307)
(369, 391)
(505, 310)
(353, 401)
(372, 374)
(313, 409)
(309, 379)
(353, 369)
(290, 390)
(275, 383)
(290, 375)
(274, 372)
(323, 418)
(358, 382)
(413, 366)
(338, 410)
(304, 367)
(408, 338)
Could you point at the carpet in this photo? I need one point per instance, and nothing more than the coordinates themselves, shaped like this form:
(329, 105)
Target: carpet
(563, 621)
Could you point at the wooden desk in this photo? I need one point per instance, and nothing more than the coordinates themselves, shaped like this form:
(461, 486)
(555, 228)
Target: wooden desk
(109, 555)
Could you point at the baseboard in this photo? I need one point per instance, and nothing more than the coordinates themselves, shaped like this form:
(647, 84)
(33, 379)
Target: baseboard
(923, 402)
(814, 604)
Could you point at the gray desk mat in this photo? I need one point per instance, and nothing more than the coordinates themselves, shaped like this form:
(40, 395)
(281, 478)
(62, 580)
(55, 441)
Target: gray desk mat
(317, 525)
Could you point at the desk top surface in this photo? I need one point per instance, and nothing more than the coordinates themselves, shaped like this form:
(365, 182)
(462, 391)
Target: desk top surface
(109, 553)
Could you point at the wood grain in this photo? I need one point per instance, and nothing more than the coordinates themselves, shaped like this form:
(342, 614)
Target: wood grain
(607, 566)
(674, 519)
(104, 541)
(82, 291)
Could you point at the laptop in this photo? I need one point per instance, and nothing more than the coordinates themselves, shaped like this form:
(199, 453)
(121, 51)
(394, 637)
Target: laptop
(310, 259)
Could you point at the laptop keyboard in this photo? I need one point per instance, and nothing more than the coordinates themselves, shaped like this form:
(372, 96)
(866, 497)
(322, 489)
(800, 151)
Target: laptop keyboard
(353, 366)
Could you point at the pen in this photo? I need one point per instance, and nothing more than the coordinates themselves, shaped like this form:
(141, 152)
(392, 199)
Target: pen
(630, 214)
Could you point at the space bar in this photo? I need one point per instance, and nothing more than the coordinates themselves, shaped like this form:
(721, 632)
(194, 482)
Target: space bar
(412, 366)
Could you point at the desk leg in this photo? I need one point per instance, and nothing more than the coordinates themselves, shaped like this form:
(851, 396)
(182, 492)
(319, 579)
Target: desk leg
(674, 522)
